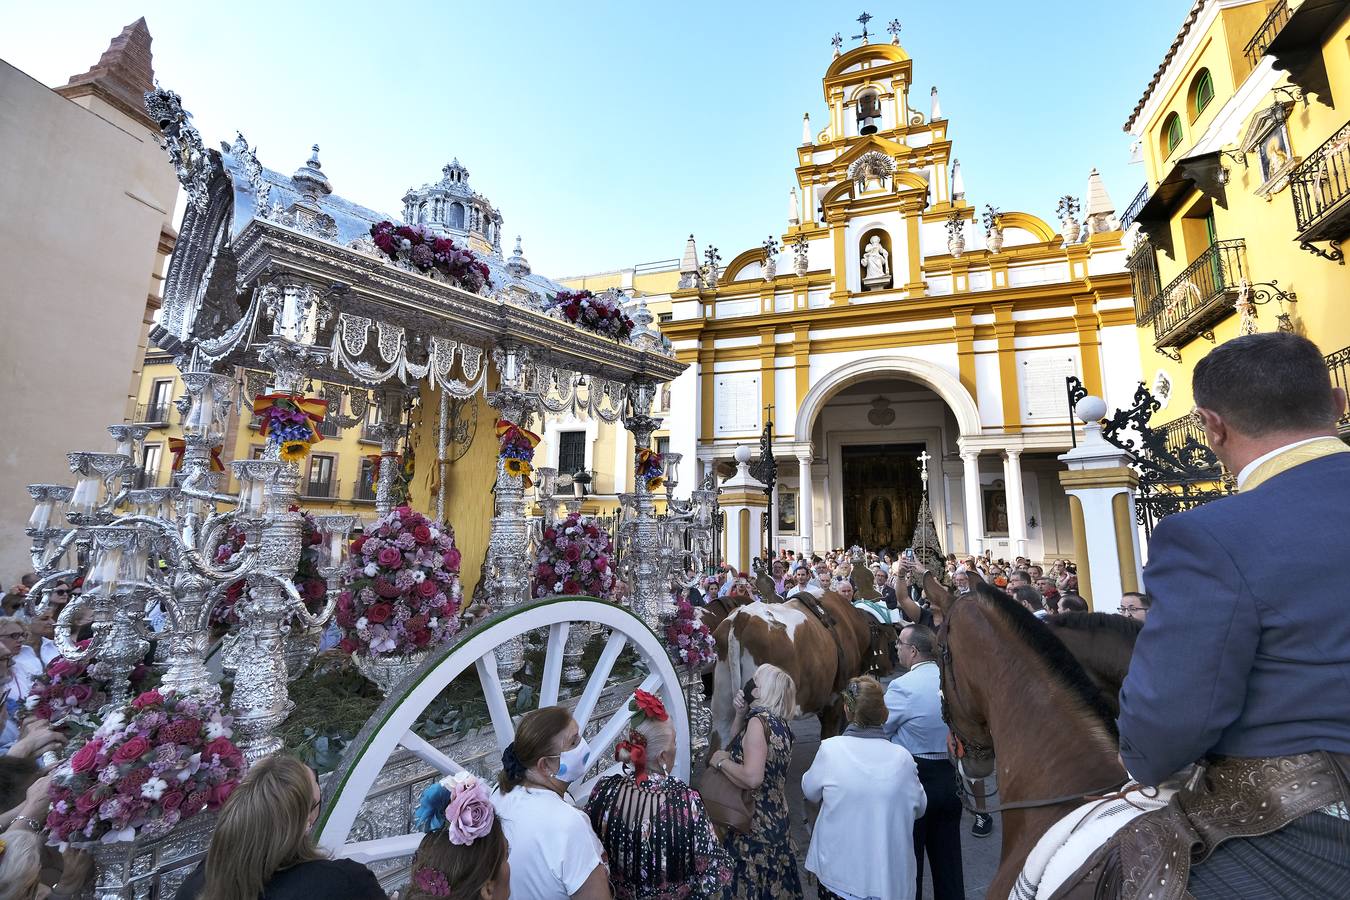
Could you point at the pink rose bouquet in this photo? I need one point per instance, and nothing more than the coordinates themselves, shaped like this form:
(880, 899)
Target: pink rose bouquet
(145, 769)
(598, 314)
(307, 580)
(421, 249)
(574, 558)
(689, 639)
(69, 696)
(402, 590)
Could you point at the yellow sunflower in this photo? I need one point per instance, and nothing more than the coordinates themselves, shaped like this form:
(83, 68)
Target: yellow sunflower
(294, 451)
(654, 484)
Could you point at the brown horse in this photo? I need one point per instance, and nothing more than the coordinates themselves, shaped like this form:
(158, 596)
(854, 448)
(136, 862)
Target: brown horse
(1055, 745)
(1103, 644)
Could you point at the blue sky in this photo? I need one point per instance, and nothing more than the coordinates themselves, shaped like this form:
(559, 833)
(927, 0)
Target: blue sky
(607, 132)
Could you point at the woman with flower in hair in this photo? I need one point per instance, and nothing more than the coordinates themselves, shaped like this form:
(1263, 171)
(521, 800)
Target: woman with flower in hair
(464, 855)
(656, 834)
(554, 853)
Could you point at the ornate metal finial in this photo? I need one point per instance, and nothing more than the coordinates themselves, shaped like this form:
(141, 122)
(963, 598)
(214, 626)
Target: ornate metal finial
(924, 457)
(893, 29)
(310, 177)
(183, 143)
(863, 19)
(517, 265)
(837, 42)
(711, 266)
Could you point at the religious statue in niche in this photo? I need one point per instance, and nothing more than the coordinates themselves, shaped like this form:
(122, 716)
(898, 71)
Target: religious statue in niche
(881, 494)
(995, 511)
(876, 264)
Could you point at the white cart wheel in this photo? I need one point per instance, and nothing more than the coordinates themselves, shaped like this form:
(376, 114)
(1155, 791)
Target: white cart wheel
(390, 728)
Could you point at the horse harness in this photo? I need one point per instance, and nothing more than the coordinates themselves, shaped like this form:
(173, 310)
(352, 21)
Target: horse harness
(975, 790)
(812, 602)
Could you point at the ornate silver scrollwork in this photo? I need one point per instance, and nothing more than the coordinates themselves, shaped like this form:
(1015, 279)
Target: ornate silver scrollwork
(183, 143)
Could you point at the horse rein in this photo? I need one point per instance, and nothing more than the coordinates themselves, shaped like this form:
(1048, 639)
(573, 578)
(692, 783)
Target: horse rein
(960, 747)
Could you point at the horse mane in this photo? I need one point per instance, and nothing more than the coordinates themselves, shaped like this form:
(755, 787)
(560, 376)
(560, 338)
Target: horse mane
(1051, 650)
(1095, 621)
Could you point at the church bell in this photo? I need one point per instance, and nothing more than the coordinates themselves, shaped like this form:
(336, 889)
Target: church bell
(869, 113)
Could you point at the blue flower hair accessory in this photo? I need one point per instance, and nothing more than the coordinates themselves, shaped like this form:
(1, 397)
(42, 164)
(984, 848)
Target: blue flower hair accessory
(458, 803)
(430, 814)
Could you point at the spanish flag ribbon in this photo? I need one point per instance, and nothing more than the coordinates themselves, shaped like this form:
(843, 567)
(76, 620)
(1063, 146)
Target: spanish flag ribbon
(313, 408)
(178, 446)
(374, 459)
(510, 431)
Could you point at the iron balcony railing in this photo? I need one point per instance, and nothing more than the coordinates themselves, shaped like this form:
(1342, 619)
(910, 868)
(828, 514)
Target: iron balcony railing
(329, 429)
(1321, 186)
(1265, 33)
(1131, 211)
(1200, 296)
(1338, 364)
(153, 413)
(365, 491)
(322, 490)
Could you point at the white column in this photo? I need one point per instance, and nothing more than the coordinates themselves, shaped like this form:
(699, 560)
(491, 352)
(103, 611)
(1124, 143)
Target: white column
(1017, 507)
(804, 504)
(974, 504)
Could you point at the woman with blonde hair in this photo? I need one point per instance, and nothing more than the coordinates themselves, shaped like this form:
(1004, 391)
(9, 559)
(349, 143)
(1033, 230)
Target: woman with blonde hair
(869, 795)
(658, 838)
(764, 861)
(261, 846)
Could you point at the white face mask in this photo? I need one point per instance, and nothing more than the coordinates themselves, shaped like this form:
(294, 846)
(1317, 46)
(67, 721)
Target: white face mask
(572, 763)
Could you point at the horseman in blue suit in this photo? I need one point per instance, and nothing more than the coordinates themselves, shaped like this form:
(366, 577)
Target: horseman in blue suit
(1243, 665)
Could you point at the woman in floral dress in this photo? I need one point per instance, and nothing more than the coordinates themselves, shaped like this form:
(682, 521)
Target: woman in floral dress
(657, 837)
(764, 862)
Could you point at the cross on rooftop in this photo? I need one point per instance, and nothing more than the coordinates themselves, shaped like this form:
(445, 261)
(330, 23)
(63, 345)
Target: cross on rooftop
(893, 29)
(864, 19)
(836, 42)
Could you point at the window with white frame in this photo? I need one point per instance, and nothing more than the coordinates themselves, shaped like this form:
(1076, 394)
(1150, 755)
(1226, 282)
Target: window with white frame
(571, 452)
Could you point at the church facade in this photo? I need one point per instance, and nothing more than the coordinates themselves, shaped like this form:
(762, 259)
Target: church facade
(891, 321)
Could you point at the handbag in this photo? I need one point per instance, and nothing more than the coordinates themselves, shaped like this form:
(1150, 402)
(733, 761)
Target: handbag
(728, 804)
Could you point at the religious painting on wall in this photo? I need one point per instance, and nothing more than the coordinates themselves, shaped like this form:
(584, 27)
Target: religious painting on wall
(787, 512)
(995, 511)
(881, 494)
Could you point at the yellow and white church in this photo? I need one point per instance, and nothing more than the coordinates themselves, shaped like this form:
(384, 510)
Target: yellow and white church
(891, 320)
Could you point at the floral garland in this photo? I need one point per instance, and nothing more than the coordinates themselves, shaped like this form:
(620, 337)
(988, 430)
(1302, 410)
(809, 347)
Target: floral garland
(598, 314)
(574, 559)
(690, 638)
(290, 422)
(425, 252)
(69, 697)
(402, 588)
(651, 466)
(312, 586)
(516, 449)
(147, 768)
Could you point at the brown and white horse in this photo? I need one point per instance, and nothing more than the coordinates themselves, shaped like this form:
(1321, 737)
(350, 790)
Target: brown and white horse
(789, 635)
(1011, 688)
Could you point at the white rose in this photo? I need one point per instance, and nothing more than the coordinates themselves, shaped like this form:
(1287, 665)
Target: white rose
(154, 788)
(371, 570)
(419, 576)
(361, 624)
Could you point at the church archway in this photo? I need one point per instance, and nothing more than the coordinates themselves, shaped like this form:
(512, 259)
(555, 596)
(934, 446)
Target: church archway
(943, 383)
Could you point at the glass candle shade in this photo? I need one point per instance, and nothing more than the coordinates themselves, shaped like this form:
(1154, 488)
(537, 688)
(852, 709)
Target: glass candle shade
(671, 464)
(88, 492)
(41, 517)
(546, 484)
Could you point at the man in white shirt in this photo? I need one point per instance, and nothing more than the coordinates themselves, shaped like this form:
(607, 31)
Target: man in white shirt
(39, 649)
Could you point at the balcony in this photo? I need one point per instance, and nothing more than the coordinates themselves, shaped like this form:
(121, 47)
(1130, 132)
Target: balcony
(367, 434)
(364, 493)
(329, 429)
(1184, 440)
(156, 414)
(1265, 33)
(321, 490)
(1321, 189)
(1338, 364)
(1200, 296)
(1132, 210)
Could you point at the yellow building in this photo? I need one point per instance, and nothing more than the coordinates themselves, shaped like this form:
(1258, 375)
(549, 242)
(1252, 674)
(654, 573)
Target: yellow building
(882, 324)
(335, 477)
(88, 199)
(1248, 189)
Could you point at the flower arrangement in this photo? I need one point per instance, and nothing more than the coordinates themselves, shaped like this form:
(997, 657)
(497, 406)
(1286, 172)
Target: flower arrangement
(313, 588)
(690, 638)
(1067, 207)
(290, 422)
(599, 314)
(574, 558)
(650, 466)
(402, 588)
(516, 449)
(147, 768)
(425, 252)
(458, 803)
(69, 697)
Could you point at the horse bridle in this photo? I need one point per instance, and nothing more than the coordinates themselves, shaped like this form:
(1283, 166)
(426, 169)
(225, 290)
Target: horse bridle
(959, 748)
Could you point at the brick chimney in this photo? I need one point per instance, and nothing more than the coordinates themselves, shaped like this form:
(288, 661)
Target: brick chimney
(122, 75)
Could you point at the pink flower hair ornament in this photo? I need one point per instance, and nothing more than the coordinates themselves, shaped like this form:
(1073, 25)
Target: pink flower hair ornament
(460, 804)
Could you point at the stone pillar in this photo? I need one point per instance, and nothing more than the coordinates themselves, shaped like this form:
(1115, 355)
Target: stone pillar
(1101, 487)
(744, 502)
(804, 525)
(1017, 507)
(974, 502)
